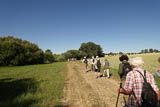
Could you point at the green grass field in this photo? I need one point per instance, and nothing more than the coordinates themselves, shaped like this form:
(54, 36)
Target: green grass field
(34, 85)
(42, 85)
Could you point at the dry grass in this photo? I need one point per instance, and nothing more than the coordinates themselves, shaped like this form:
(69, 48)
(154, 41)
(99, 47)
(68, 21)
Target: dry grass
(150, 61)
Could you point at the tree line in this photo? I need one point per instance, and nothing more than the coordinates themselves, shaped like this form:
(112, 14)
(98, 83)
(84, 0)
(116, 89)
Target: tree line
(150, 51)
(141, 52)
(88, 49)
(15, 51)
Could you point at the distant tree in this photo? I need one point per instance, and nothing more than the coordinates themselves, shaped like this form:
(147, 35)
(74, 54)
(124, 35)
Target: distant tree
(111, 53)
(155, 50)
(128, 53)
(120, 53)
(82, 54)
(146, 51)
(151, 50)
(142, 51)
(67, 55)
(91, 49)
(73, 54)
(48, 56)
(60, 58)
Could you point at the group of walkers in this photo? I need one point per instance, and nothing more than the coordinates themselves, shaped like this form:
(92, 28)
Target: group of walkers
(96, 65)
(139, 83)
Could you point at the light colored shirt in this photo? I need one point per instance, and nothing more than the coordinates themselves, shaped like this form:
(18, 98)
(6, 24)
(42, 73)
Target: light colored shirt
(93, 61)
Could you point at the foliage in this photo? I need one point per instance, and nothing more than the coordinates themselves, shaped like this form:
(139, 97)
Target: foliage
(48, 56)
(149, 51)
(14, 51)
(59, 58)
(91, 49)
(73, 54)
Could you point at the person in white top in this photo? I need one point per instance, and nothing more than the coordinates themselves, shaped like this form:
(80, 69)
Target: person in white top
(93, 60)
(85, 61)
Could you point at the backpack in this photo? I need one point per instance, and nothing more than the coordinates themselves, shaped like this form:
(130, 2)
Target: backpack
(93, 60)
(85, 61)
(148, 96)
(98, 63)
(126, 68)
(106, 65)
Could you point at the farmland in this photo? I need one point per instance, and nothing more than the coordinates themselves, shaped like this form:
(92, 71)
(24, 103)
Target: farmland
(63, 84)
(150, 63)
(150, 60)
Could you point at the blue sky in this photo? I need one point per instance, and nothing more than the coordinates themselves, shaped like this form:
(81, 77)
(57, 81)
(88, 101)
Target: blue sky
(60, 25)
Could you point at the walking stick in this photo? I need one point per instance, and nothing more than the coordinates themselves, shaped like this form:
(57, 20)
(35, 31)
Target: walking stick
(118, 93)
(124, 100)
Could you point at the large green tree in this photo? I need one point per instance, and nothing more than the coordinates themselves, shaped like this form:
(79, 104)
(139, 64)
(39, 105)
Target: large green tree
(48, 56)
(15, 51)
(91, 49)
(73, 54)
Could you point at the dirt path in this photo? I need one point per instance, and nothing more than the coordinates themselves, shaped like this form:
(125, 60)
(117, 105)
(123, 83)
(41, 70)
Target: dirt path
(82, 89)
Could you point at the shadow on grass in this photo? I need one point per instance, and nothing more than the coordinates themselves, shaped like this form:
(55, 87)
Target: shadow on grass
(11, 89)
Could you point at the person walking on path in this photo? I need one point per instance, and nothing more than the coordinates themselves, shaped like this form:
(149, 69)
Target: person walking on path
(124, 66)
(85, 61)
(134, 85)
(106, 68)
(98, 66)
(93, 60)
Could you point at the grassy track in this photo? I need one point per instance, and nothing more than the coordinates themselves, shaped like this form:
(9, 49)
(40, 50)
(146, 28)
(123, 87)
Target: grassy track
(34, 86)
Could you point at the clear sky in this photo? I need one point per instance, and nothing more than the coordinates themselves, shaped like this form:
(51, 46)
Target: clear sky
(60, 25)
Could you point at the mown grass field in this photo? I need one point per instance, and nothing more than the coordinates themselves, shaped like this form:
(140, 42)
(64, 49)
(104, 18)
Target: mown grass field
(34, 85)
(42, 85)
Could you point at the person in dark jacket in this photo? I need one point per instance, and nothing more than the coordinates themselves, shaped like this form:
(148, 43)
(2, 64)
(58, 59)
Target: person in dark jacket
(124, 66)
(98, 66)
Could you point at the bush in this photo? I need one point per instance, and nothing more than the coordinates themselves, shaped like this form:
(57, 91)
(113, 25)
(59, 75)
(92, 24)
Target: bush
(73, 54)
(14, 51)
(48, 56)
